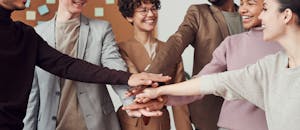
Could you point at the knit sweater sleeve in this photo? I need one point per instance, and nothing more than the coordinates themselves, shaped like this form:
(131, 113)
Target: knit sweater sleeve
(248, 83)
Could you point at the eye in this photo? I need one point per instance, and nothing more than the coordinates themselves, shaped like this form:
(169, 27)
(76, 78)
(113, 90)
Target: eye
(264, 9)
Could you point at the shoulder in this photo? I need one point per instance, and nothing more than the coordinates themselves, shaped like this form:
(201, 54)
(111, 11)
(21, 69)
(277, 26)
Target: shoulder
(201, 10)
(24, 26)
(274, 61)
(199, 7)
(98, 23)
(236, 38)
(43, 27)
(125, 45)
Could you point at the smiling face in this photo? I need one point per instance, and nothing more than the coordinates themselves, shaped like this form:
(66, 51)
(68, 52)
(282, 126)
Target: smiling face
(144, 17)
(72, 6)
(272, 20)
(13, 4)
(250, 10)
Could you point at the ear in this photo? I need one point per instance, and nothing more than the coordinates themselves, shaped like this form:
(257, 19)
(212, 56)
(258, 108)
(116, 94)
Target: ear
(288, 15)
(129, 19)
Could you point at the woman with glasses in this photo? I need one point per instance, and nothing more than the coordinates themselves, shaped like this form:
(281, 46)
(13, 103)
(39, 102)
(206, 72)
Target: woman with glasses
(138, 52)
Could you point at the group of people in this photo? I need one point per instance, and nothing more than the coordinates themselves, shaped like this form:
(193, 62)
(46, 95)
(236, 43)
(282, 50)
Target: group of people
(43, 88)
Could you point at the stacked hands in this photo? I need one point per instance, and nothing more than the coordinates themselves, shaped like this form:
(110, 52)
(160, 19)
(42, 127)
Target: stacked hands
(147, 103)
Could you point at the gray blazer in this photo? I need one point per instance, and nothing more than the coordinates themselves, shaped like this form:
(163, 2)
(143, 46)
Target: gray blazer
(96, 45)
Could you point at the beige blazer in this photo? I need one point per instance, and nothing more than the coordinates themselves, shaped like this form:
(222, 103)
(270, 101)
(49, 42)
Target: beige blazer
(137, 59)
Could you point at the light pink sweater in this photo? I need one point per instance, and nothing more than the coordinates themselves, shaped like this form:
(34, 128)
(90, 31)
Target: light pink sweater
(236, 52)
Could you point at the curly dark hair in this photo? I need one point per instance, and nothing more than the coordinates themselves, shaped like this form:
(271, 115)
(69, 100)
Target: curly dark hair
(127, 7)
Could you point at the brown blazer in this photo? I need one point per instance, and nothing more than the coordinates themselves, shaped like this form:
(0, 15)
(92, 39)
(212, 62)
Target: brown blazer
(204, 27)
(137, 59)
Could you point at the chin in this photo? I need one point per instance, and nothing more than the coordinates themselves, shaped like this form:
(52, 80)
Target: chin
(20, 8)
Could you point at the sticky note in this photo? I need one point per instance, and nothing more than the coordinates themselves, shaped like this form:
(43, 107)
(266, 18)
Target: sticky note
(43, 9)
(50, 1)
(99, 12)
(110, 1)
(27, 5)
(30, 15)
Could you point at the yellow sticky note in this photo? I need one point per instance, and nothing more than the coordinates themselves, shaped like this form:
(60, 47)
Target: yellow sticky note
(110, 2)
(30, 15)
(99, 12)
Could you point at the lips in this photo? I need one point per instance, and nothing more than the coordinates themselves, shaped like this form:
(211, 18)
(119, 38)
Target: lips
(79, 2)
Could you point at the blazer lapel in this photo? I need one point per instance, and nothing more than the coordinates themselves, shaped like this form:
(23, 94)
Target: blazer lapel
(139, 55)
(51, 35)
(220, 20)
(83, 36)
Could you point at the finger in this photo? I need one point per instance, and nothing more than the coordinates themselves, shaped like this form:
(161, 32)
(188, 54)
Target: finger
(145, 100)
(133, 106)
(134, 113)
(128, 94)
(158, 77)
(155, 85)
(150, 114)
(160, 99)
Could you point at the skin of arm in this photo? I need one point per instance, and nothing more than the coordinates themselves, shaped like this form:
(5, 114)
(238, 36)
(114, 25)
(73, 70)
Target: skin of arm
(187, 88)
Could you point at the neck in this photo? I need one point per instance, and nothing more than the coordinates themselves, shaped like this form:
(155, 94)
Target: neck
(5, 15)
(63, 16)
(291, 44)
(228, 6)
(144, 37)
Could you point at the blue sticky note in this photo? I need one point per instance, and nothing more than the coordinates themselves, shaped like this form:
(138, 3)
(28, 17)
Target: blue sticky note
(43, 9)
(27, 3)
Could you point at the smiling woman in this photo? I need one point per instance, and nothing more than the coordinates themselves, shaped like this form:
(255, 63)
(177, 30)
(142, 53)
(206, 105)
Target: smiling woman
(138, 52)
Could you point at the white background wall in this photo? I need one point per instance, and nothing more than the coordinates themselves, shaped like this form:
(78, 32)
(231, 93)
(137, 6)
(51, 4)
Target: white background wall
(170, 17)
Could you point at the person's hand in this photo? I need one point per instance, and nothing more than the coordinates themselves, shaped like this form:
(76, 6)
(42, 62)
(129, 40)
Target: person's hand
(149, 106)
(138, 89)
(143, 78)
(147, 95)
(143, 112)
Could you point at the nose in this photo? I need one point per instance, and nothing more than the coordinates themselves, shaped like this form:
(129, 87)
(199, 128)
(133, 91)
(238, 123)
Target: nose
(150, 12)
(243, 10)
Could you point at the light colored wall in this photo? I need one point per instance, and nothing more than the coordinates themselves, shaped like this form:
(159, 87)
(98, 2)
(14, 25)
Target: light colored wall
(170, 17)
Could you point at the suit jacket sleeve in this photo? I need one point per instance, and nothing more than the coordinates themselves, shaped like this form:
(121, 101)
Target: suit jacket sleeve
(179, 75)
(176, 44)
(31, 119)
(217, 64)
(112, 59)
(64, 66)
(219, 60)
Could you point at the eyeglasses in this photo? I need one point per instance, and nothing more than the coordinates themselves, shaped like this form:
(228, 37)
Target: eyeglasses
(145, 11)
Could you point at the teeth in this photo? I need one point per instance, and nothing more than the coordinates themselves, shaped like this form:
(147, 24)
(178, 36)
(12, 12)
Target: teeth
(263, 26)
(149, 21)
(245, 17)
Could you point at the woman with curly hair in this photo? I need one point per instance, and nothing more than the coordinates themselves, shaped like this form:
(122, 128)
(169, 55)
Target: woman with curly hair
(138, 52)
